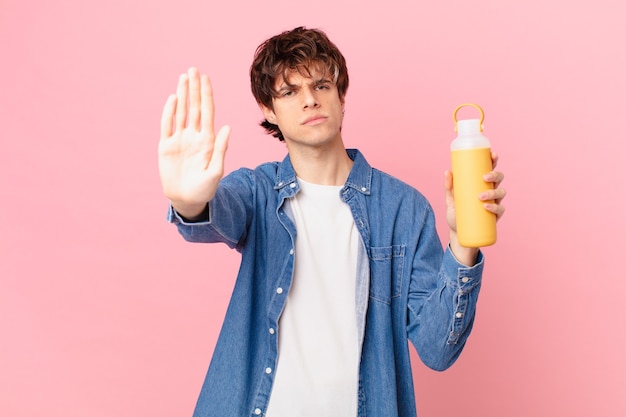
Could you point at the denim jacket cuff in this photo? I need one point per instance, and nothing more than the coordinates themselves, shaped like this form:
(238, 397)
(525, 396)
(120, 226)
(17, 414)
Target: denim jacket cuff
(463, 276)
(465, 282)
(175, 218)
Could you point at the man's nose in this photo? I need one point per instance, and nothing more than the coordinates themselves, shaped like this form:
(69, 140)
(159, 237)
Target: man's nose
(310, 97)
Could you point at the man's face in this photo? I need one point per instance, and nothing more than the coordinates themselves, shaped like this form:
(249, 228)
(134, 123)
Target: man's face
(307, 110)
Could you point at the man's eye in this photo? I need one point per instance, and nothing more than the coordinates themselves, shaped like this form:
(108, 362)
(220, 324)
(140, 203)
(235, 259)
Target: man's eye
(287, 93)
(322, 87)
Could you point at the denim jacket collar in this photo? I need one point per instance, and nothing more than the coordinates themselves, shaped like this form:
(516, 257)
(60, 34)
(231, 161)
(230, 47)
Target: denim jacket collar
(360, 177)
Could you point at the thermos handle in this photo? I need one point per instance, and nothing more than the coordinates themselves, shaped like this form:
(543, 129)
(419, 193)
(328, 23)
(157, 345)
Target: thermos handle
(482, 114)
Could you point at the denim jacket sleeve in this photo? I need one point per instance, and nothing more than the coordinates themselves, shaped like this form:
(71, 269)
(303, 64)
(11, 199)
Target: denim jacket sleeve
(230, 213)
(441, 301)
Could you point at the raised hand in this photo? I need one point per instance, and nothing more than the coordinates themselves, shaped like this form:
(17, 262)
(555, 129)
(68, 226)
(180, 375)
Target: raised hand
(191, 155)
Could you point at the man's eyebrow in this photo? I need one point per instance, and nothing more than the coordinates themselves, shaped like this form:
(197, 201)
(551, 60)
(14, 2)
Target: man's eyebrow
(323, 80)
(315, 81)
(285, 86)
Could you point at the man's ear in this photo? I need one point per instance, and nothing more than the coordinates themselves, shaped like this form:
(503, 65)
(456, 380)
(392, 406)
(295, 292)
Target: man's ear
(269, 114)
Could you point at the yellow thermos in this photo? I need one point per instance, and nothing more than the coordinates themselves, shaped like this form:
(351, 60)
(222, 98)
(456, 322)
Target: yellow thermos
(471, 160)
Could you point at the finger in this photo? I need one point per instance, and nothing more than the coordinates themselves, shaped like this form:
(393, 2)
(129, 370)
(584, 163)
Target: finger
(495, 195)
(207, 109)
(495, 177)
(181, 106)
(500, 193)
(494, 159)
(497, 209)
(167, 117)
(194, 98)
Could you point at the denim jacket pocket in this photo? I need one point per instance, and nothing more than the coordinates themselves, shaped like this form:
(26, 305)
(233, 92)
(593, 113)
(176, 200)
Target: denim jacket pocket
(386, 267)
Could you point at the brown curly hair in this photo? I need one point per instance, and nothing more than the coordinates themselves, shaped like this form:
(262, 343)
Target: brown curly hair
(295, 50)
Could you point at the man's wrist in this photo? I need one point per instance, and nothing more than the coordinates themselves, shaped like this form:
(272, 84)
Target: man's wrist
(191, 212)
(466, 256)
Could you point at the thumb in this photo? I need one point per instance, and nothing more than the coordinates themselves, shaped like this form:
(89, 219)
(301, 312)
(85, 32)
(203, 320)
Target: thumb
(219, 149)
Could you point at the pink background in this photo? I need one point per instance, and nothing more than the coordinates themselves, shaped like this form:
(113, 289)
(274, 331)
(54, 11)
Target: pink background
(106, 311)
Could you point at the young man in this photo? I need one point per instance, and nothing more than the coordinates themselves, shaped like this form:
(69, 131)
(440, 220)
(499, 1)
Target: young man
(341, 263)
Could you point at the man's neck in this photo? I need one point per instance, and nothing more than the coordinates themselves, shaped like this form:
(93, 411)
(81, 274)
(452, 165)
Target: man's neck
(329, 165)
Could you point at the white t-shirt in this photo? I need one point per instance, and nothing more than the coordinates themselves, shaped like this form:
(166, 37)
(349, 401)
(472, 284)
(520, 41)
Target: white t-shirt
(317, 370)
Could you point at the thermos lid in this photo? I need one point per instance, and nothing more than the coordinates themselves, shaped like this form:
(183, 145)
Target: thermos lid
(469, 127)
(469, 131)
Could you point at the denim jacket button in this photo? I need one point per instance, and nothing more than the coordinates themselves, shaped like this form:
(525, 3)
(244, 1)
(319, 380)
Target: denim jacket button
(279, 290)
(458, 315)
(465, 279)
(272, 331)
(257, 411)
(291, 251)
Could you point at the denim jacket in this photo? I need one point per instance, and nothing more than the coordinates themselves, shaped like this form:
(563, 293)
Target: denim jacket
(408, 287)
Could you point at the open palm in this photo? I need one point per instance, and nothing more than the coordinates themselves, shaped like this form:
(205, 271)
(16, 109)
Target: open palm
(191, 155)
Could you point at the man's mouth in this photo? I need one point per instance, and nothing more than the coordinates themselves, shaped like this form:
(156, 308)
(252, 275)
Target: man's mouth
(314, 120)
